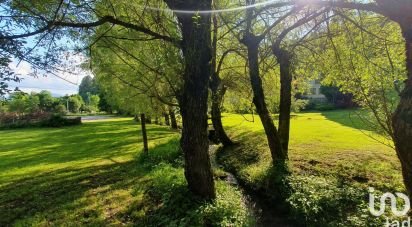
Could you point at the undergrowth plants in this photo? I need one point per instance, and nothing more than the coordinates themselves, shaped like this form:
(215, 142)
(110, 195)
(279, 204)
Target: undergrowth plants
(332, 164)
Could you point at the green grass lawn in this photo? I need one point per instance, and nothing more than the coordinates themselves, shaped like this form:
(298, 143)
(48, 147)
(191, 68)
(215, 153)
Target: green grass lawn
(331, 155)
(94, 174)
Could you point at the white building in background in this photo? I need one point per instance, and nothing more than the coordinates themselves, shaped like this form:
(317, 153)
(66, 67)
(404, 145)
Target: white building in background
(314, 93)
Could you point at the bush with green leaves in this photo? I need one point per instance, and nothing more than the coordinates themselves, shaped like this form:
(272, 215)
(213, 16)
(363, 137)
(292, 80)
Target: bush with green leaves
(320, 106)
(328, 201)
(57, 120)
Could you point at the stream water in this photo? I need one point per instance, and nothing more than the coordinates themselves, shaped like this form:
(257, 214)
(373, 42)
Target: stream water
(265, 214)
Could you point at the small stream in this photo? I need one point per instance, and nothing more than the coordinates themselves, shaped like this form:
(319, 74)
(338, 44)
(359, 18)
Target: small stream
(264, 214)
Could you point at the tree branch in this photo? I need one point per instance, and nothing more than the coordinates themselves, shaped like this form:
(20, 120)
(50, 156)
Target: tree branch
(106, 19)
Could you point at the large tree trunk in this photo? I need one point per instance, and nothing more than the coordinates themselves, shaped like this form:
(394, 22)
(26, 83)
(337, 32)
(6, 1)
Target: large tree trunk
(217, 97)
(284, 60)
(402, 119)
(259, 100)
(172, 118)
(196, 47)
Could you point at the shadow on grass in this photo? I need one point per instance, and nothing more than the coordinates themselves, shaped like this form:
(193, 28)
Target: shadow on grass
(357, 119)
(89, 141)
(71, 196)
(52, 194)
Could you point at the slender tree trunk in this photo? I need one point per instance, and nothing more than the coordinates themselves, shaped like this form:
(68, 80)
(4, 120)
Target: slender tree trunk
(217, 97)
(259, 100)
(144, 134)
(196, 49)
(172, 118)
(218, 91)
(156, 120)
(148, 120)
(167, 120)
(284, 60)
(402, 118)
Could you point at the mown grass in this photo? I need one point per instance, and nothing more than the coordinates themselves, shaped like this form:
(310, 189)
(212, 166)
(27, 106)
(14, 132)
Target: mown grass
(333, 161)
(95, 175)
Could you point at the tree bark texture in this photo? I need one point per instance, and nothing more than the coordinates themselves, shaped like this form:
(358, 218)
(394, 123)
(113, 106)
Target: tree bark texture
(402, 118)
(196, 47)
(284, 60)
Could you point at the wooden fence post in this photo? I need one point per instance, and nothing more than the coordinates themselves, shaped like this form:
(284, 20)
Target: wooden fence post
(144, 134)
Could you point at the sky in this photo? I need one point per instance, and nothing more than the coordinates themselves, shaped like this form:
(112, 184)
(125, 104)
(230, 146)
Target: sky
(68, 83)
(70, 73)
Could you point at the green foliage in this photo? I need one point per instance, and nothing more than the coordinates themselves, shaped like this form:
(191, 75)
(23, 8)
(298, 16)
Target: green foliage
(23, 103)
(18, 102)
(137, 78)
(32, 104)
(88, 87)
(7, 74)
(3, 107)
(298, 105)
(60, 109)
(326, 201)
(75, 103)
(180, 208)
(368, 63)
(46, 101)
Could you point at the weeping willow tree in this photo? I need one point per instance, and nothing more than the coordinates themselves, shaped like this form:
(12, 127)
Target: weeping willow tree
(362, 55)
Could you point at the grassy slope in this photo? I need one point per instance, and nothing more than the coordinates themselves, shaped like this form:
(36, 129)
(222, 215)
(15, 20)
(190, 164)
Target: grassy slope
(94, 175)
(327, 150)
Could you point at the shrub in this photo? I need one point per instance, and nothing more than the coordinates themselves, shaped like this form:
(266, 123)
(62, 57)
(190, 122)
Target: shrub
(57, 120)
(319, 106)
(16, 120)
(36, 119)
(60, 109)
(322, 201)
(324, 106)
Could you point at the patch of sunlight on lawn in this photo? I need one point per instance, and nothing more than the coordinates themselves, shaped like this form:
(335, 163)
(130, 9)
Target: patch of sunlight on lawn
(77, 175)
(329, 142)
